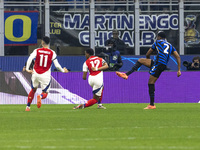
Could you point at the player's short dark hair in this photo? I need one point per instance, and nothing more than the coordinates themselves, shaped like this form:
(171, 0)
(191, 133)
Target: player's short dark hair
(161, 34)
(90, 51)
(46, 40)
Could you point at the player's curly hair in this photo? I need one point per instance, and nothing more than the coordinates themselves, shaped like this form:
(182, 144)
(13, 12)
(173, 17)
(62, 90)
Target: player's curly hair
(90, 51)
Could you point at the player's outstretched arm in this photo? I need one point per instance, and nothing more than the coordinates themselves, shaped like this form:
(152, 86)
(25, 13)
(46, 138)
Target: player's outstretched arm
(58, 66)
(178, 59)
(29, 61)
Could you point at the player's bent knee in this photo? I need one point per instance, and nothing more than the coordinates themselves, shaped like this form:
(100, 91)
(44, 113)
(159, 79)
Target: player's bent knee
(141, 60)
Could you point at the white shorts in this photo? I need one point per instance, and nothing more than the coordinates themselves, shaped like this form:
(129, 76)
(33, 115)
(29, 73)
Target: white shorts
(96, 82)
(44, 80)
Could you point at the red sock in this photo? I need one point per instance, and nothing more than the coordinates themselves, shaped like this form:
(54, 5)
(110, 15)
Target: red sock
(31, 96)
(44, 95)
(91, 102)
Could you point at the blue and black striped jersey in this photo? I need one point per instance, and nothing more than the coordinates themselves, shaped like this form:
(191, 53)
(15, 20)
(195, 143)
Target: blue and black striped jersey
(164, 50)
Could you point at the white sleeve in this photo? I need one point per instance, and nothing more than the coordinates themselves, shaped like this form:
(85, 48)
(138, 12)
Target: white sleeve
(31, 57)
(85, 67)
(57, 65)
(54, 55)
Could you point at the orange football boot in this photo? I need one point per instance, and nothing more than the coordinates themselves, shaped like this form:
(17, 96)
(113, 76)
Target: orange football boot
(122, 75)
(39, 103)
(27, 108)
(150, 107)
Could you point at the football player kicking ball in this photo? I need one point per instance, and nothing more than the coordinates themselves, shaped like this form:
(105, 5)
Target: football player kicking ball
(164, 50)
(94, 65)
(41, 73)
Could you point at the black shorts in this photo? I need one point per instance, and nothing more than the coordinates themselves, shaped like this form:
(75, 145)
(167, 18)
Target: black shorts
(156, 69)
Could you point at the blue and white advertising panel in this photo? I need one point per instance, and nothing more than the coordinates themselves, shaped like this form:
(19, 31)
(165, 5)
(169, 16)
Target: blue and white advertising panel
(104, 24)
(75, 27)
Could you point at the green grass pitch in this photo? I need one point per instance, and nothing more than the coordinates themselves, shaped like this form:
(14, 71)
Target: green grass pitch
(119, 127)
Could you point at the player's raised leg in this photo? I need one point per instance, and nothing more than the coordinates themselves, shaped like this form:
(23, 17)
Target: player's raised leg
(39, 103)
(122, 75)
(142, 61)
(45, 85)
(40, 97)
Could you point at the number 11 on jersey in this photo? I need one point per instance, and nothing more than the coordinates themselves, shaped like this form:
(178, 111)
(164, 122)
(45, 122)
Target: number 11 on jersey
(45, 58)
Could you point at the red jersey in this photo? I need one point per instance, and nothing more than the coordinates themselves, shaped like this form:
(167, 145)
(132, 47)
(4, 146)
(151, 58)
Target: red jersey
(93, 61)
(43, 61)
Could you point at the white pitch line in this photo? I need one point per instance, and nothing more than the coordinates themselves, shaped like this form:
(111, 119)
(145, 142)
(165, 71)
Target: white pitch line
(136, 127)
(109, 128)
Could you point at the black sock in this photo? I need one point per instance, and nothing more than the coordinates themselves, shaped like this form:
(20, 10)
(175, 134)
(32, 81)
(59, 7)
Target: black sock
(151, 93)
(135, 68)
